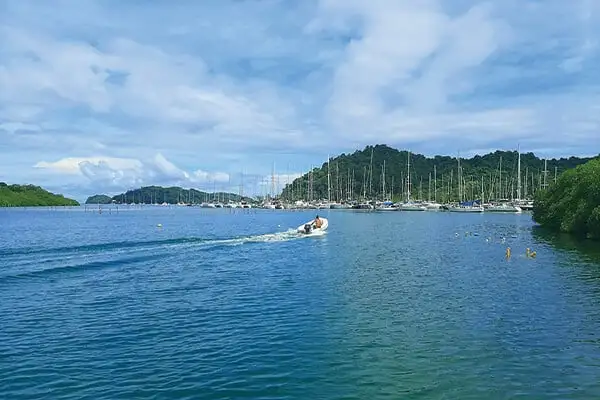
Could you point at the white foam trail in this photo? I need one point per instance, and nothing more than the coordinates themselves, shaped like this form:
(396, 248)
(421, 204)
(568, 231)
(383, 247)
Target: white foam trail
(290, 234)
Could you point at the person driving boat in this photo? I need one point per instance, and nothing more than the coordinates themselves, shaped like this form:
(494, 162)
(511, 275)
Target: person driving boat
(318, 223)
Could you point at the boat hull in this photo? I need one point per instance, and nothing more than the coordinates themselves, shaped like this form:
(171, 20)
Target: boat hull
(314, 230)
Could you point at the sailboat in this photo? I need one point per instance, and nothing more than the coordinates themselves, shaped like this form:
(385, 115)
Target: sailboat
(408, 205)
(468, 206)
(432, 205)
(386, 205)
(510, 207)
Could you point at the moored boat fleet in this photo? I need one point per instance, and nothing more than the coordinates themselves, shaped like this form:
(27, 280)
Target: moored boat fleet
(384, 201)
(384, 206)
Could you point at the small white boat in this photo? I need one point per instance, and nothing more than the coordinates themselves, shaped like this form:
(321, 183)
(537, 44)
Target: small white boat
(466, 209)
(432, 206)
(504, 207)
(410, 206)
(309, 228)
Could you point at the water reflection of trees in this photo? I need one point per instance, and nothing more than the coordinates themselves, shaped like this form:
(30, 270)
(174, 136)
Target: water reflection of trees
(588, 249)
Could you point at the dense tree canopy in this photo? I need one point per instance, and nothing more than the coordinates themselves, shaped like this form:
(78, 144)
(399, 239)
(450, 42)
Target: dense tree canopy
(30, 196)
(357, 175)
(572, 204)
(159, 194)
(99, 199)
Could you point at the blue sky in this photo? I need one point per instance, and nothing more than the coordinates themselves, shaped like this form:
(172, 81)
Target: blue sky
(105, 95)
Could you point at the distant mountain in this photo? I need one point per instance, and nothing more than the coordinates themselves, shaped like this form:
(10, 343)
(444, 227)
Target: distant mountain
(99, 199)
(169, 195)
(31, 196)
(355, 175)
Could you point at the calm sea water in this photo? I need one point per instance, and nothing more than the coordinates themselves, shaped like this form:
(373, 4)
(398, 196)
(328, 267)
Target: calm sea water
(222, 305)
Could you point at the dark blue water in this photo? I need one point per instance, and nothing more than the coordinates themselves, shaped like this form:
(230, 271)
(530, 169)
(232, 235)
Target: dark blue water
(222, 305)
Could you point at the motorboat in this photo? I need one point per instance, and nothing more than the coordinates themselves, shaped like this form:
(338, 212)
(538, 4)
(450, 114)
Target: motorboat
(432, 206)
(410, 206)
(467, 207)
(387, 206)
(309, 227)
(504, 207)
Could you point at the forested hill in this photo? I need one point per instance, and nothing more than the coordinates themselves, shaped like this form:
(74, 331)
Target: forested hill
(31, 196)
(169, 195)
(353, 175)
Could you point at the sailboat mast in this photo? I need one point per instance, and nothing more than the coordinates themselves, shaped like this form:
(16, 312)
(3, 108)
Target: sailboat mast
(338, 182)
(545, 172)
(435, 184)
(460, 196)
(364, 182)
(519, 174)
(482, 190)
(526, 180)
(352, 185)
(328, 181)
(408, 177)
(371, 175)
(383, 181)
(429, 189)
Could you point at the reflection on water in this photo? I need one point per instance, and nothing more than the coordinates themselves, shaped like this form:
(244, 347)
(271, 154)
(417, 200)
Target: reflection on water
(588, 249)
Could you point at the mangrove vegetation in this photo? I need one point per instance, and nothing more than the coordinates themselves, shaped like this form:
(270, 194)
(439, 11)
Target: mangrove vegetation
(572, 204)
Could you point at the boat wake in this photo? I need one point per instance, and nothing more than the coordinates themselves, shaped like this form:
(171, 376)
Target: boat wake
(290, 234)
(28, 263)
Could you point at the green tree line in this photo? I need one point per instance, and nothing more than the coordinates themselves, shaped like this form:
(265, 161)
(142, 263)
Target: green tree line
(31, 196)
(169, 195)
(572, 205)
(360, 175)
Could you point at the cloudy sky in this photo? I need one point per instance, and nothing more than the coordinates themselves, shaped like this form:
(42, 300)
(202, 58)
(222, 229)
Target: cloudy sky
(105, 95)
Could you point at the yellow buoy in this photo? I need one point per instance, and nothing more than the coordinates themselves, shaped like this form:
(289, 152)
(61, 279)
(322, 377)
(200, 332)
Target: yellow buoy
(508, 252)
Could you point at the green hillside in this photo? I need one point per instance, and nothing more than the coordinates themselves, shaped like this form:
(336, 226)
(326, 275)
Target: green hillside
(99, 199)
(31, 196)
(572, 205)
(169, 195)
(354, 176)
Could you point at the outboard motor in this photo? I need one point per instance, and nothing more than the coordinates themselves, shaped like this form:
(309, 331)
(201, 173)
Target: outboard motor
(307, 228)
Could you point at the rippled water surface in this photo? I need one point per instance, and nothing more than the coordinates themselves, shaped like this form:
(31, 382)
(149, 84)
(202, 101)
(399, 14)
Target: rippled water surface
(222, 305)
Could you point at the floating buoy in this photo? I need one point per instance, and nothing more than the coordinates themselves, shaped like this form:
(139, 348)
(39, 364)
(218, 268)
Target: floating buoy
(159, 225)
(507, 252)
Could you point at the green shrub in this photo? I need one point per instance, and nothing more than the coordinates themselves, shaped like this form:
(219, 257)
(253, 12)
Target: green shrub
(572, 204)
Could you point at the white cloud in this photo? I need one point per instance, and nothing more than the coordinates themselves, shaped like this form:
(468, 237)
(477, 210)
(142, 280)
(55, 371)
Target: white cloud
(73, 165)
(113, 173)
(408, 50)
(236, 86)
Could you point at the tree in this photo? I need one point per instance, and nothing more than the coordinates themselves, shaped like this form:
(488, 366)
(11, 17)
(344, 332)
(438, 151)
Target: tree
(352, 175)
(572, 205)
